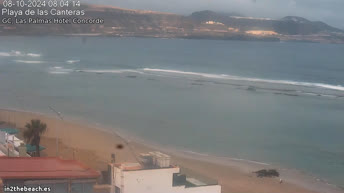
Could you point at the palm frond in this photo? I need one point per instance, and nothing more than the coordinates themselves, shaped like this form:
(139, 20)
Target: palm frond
(33, 132)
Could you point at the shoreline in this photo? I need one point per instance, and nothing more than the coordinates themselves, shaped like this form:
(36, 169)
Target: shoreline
(246, 38)
(235, 175)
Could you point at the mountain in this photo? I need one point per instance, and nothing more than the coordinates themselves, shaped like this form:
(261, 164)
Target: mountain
(208, 15)
(290, 25)
(207, 24)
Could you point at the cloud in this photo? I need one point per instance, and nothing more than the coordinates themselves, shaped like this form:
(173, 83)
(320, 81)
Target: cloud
(330, 11)
(292, 3)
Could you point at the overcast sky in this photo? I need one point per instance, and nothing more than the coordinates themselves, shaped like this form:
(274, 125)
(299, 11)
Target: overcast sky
(329, 11)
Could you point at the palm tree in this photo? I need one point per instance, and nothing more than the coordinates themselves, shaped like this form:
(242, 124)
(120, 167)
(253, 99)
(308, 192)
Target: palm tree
(33, 132)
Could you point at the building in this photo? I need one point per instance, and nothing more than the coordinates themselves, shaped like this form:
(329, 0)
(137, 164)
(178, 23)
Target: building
(60, 176)
(13, 146)
(261, 33)
(7, 144)
(155, 174)
(214, 23)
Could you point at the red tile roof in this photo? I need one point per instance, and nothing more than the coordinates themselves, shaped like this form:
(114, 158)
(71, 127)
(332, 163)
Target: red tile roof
(44, 168)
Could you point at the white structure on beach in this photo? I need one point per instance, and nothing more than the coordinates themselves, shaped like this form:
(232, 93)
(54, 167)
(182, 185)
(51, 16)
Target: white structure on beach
(155, 174)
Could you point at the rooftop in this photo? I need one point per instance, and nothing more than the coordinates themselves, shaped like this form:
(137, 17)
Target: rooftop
(129, 166)
(138, 167)
(148, 161)
(43, 168)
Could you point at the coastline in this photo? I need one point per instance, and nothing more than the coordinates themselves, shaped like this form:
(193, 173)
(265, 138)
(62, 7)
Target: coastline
(93, 145)
(208, 38)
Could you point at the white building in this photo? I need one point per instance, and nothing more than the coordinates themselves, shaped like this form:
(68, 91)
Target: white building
(155, 175)
(11, 146)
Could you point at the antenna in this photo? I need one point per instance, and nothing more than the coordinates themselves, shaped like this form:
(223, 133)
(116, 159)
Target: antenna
(113, 158)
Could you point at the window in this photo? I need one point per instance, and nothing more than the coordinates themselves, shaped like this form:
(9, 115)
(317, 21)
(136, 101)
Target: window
(117, 190)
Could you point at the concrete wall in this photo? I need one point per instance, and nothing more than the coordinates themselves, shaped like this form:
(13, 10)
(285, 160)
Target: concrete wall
(152, 181)
(155, 181)
(203, 189)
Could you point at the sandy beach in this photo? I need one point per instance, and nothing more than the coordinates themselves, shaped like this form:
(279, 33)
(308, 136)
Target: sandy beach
(94, 146)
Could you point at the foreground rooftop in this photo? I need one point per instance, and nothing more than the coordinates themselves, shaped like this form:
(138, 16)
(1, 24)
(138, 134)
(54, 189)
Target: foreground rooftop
(43, 168)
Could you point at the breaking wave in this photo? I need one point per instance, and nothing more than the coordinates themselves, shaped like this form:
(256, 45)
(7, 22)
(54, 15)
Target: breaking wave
(12, 53)
(15, 53)
(72, 61)
(29, 61)
(33, 55)
(178, 73)
(230, 77)
(112, 71)
(59, 70)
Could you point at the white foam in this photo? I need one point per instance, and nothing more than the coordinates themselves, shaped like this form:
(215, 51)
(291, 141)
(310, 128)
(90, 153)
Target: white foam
(72, 61)
(15, 53)
(196, 153)
(229, 77)
(29, 61)
(233, 159)
(5, 54)
(11, 53)
(249, 161)
(33, 55)
(112, 71)
(60, 70)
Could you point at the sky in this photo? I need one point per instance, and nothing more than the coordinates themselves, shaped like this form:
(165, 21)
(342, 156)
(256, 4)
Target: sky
(329, 11)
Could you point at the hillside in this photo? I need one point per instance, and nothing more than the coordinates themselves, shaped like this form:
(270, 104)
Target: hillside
(204, 24)
(290, 25)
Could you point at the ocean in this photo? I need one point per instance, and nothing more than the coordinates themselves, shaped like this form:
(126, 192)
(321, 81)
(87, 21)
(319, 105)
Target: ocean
(273, 102)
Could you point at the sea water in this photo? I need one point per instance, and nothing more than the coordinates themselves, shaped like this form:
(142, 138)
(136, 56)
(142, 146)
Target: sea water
(280, 103)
